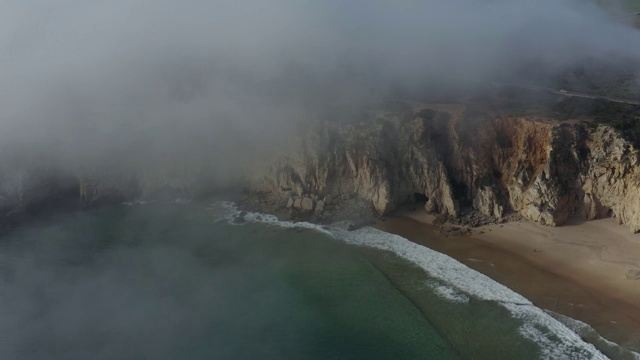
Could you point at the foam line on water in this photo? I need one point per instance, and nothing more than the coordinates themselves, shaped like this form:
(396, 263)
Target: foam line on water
(556, 340)
(228, 211)
(449, 293)
(584, 329)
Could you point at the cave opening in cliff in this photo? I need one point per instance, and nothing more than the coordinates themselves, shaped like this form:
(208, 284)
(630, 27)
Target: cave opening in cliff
(420, 198)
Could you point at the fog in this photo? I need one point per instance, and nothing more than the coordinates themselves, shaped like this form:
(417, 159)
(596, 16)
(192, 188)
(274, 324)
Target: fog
(136, 284)
(171, 283)
(218, 83)
(214, 88)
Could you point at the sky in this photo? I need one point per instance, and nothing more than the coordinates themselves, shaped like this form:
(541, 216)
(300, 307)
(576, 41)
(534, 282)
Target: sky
(221, 84)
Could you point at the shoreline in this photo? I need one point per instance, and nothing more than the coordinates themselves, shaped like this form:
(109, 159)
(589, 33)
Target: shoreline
(577, 270)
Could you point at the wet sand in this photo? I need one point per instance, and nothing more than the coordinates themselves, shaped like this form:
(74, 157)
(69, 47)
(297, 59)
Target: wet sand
(577, 270)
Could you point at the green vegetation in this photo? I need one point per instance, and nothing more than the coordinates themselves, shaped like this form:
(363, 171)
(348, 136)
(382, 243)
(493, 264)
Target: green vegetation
(613, 77)
(623, 117)
(622, 7)
(628, 6)
(517, 101)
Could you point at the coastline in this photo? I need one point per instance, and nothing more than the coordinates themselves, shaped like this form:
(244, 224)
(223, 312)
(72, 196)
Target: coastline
(556, 337)
(577, 270)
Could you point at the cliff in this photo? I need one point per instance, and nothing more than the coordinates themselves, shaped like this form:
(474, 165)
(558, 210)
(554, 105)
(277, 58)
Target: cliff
(33, 189)
(455, 160)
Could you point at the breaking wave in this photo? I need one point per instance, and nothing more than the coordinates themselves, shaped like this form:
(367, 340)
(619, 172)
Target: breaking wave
(557, 341)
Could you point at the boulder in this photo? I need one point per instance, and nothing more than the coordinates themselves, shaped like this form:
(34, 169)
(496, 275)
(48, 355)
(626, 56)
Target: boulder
(439, 220)
(306, 204)
(633, 274)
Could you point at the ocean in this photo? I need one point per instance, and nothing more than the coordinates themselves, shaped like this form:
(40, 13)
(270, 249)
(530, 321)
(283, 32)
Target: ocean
(181, 281)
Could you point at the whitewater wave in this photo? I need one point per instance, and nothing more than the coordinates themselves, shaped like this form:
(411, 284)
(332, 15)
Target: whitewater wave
(557, 341)
(588, 332)
(449, 293)
(229, 212)
(135, 203)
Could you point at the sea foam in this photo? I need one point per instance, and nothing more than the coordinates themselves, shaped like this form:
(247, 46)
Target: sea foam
(556, 340)
(449, 293)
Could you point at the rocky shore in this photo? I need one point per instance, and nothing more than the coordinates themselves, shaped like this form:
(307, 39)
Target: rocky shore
(470, 169)
(466, 167)
(311, 208)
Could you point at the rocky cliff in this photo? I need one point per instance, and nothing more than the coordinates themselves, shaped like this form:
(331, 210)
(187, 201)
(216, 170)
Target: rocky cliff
(33, 189)
(451, 158)
(455, 161)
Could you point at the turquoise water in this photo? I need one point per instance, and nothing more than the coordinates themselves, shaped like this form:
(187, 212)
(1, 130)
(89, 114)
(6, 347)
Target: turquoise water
(173, 282)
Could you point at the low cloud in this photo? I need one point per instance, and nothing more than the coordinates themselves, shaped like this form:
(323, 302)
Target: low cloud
(222, 82)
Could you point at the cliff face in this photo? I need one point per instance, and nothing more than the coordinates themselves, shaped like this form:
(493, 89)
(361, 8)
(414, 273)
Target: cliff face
(546, 171)
(33, 191)
(446, 156)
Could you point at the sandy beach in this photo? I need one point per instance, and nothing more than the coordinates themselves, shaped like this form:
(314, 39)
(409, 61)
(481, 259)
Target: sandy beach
(577, 270)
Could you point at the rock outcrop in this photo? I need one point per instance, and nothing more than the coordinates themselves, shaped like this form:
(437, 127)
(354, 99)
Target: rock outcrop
(453, 161)
(35, 191)
(449, 158)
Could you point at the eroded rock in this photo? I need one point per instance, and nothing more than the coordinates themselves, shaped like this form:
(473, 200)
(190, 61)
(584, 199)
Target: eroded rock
(546, 172)
(306, 204)
(633, 274)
